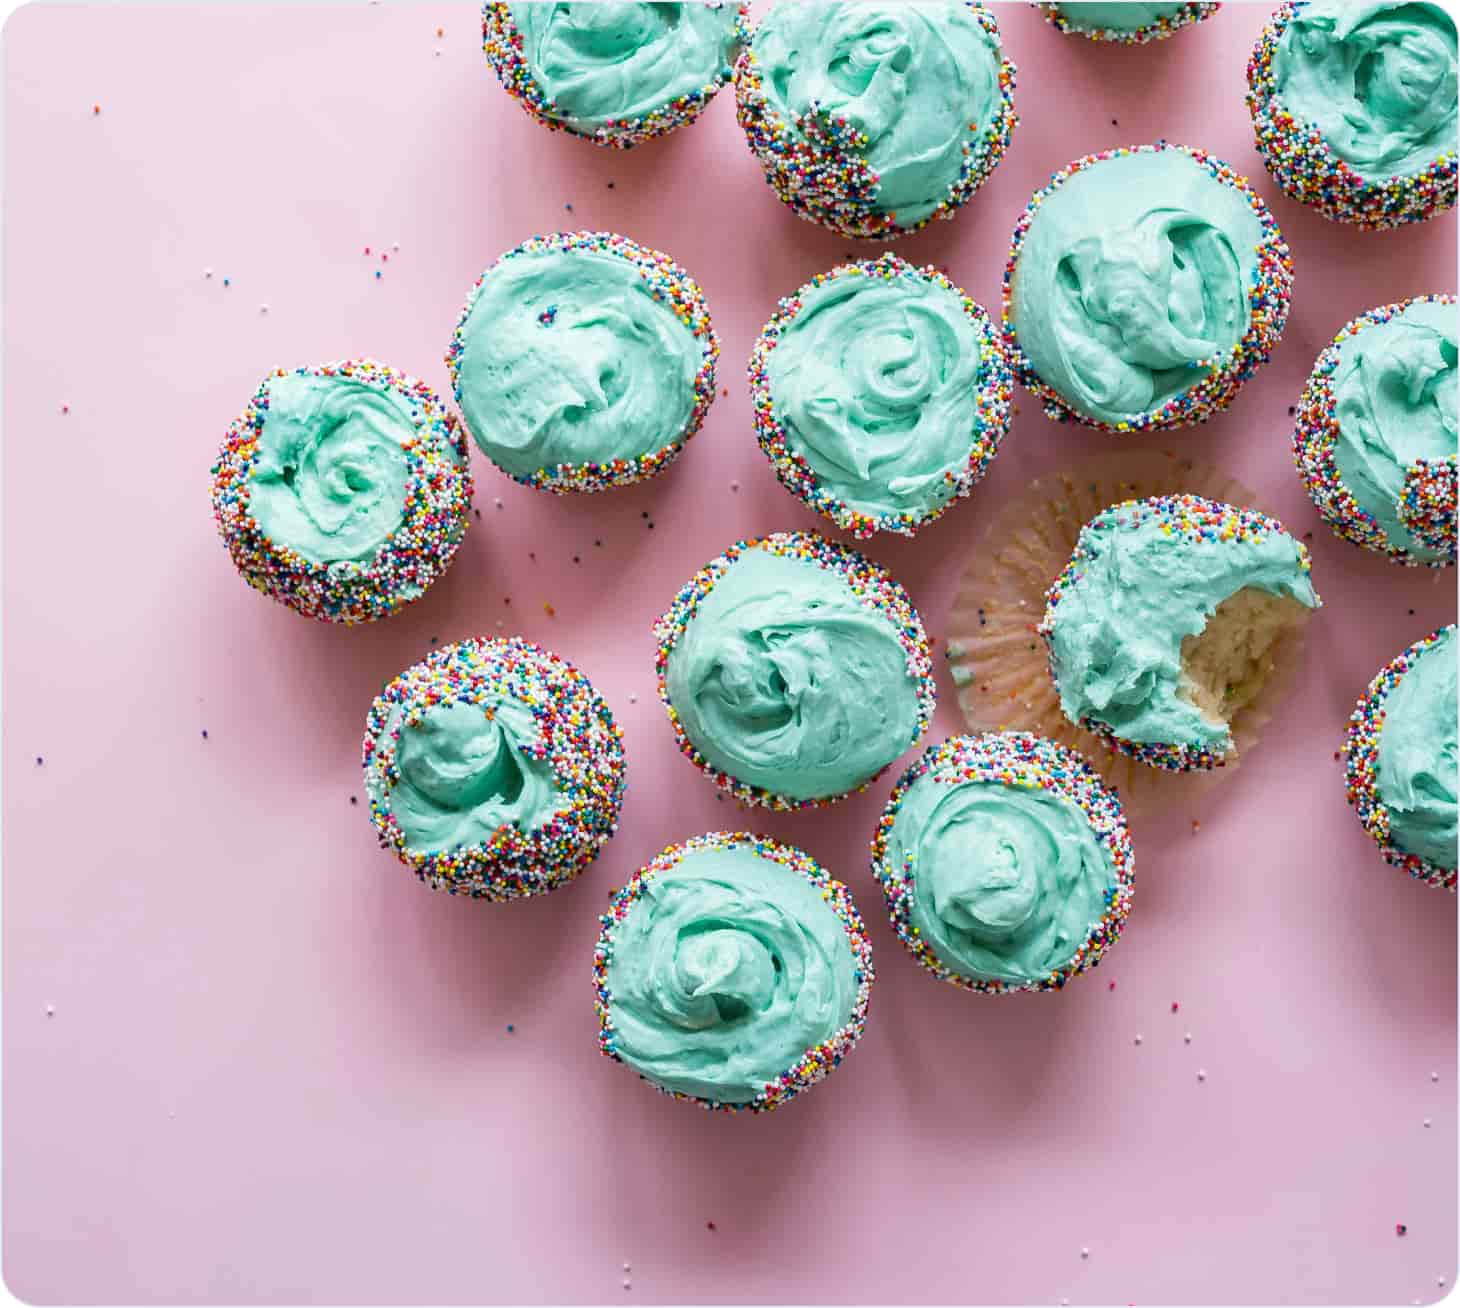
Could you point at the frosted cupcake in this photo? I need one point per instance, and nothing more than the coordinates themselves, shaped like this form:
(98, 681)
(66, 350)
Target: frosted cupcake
(1005, 861)
(494, 769)
(1162, 626)
(1144, 286)
(881, 394)
(794, 670)
(342, 490)
(877, 117)
(1401, 760)
(613, 73)
(583, 361)
(1375, 439)
(1126, 23)
(1353, 103)
(733, 971)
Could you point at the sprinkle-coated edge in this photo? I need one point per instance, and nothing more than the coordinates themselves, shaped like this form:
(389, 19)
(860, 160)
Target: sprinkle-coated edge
(1159, 30)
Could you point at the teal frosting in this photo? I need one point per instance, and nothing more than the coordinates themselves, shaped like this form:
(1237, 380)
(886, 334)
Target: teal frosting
(1007, 881)
(1095, 16)
(1376, 77)
(567, 358)
(875, 382)
(1418, 755)
(1133, 274)
(911, 78)
(466, 769)
(606, 61)
(1117, 630)
(724, 971)
(1394, 391)
(330, 478)
(784, 679)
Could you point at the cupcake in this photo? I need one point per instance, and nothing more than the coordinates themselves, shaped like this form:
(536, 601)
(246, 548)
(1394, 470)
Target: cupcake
(494, 769)
(1127, 23)
(613, 73)
(1161, 627)
(1400, 760)
(877, 117)
(1375, 439)
(794, 670)
(881, 394)
(1354, 106)
(583, 361)
(732, 971)
(342, 490)
(1144, 286)
(1005, 861)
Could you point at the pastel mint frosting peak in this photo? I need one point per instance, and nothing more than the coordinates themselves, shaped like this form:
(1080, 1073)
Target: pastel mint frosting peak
(1419, 756)
(330, 478)
(898, 83)
(724, 970)
(875, 381)
(604, 61)
(1376, 77)
(1145, 576)
(1395, 397)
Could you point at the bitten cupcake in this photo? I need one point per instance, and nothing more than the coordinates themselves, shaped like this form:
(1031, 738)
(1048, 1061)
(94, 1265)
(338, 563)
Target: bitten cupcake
(1126, 23)
(583, 361)
(1375, 439)
(342, 490)
(877, 117)
(1353, 103)
(733, 971)
(794, 670)
(494, 769)
(1163, 625)
(881, 394)
(1144, 286)
(1401, 760)
(613, 73)
(1005, 861)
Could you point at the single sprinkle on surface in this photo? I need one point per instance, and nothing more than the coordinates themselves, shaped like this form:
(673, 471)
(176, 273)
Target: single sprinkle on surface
(95, 109)
(1139, 1039)
(1084, 1253)
(1201, 1074)
(1175, 1006)
(1427, 1121)
(65, 408)
(510, 1028)
(568, 207)
(205, 733)
(354, 799)
(377, 274)
(1400, 1228)
(634, 699)
(39, 760)
(1111, 986)
(549, 610)
(1434, 1076)
(1195, 826)
(1187, 1037)
(50, 1010)
(709, 1226)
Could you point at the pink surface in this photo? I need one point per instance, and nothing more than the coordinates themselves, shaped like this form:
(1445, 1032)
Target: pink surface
(248, 1058)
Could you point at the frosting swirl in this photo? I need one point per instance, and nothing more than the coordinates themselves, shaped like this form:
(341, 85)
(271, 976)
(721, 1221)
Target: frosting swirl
(1419, 756)
(1376, 77)
(1132, 280)
(724, 969)
(897, 85)
(1007, 878)
(569, 354)
(1394, 392)
(1146, 575)
(602, 62)
(786, 680)
(330, 478)
(876, 381)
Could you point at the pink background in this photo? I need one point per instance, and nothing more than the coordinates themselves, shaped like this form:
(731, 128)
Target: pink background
(279, 1069)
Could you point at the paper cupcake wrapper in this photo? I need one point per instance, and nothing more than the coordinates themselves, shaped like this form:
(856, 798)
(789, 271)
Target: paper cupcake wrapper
(1000, 665)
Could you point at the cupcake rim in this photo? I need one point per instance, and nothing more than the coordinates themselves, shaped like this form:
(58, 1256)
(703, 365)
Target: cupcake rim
(1195, 11)
(1361, 765)
(1268, 303)
(512, 863)
(982, 759)
(1315, 434)
(502, 45)
(1307, 170)
(873, 586)
(669, 284)
(438, 496)
(1237, 521)
(783, 158)
(818, 1061)
(794, 470)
